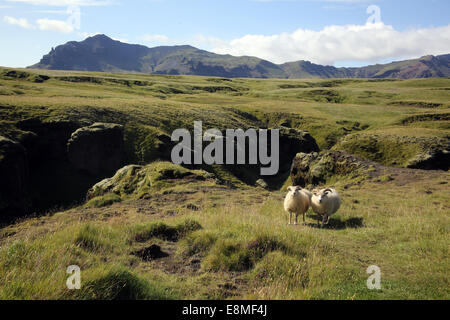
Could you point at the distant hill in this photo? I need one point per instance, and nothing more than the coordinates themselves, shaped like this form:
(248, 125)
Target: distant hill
(101, 53)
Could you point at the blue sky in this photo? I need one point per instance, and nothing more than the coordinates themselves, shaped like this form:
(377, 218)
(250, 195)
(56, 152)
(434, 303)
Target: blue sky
(334, 32)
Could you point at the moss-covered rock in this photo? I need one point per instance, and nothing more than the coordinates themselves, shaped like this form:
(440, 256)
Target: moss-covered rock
(134, 181)
(430, 153)
(318, 168)
(144, 144)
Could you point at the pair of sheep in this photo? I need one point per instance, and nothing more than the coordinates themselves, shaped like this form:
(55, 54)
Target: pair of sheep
(324, 202)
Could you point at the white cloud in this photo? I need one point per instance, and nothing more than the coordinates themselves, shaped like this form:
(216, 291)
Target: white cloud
(366, 43)
(21, 22)
(54, 25)
(65, 3)
(124, 40)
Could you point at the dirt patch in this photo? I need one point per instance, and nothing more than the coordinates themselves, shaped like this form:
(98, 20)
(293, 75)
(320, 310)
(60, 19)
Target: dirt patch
(152, 252)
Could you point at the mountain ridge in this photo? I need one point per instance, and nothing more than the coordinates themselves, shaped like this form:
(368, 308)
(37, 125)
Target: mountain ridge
(101, 53)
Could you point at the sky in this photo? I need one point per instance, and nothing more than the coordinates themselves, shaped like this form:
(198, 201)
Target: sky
(329, 32)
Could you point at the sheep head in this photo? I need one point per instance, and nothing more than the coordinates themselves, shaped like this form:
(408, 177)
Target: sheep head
(321, 195)
(294, 190)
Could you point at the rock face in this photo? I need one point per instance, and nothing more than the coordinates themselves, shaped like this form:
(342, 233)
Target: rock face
(14, 196)
(293, 141)
(47, 140)
(315, 168)
(97, 149)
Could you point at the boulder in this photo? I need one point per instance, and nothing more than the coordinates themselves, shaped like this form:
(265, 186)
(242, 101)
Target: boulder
(262, 184)
(14, 173)
(97, 149)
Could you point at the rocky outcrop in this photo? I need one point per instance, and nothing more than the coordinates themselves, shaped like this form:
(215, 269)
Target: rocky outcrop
(435, 158)
(97, 149)
(293, 141)
(418, 152)
(137, 181)
(316, 168)
(14, 173)
(46, 140)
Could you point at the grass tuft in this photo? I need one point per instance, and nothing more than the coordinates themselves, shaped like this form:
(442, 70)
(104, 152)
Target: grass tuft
(103, 201)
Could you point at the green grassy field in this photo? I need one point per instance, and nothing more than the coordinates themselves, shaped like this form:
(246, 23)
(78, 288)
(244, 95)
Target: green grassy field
(232, 241)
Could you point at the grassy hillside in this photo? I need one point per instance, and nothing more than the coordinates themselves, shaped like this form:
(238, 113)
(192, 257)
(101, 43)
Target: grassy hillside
(231, 240)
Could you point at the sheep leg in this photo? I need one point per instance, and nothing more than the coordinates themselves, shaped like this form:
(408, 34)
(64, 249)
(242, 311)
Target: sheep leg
(296, 215)
(304, 221)
(290, 217)
(323, 220)
(328, 220)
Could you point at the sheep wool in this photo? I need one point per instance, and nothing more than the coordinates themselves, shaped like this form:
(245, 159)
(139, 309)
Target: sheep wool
(296, 202)
(325, 203)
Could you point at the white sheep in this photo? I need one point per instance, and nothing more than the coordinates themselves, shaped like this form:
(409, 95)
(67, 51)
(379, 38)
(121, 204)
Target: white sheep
(297, 202)
(325, 203)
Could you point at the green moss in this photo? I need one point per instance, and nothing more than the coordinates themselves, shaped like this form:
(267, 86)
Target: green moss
(141, 143)
(385, 149)
(133, 181)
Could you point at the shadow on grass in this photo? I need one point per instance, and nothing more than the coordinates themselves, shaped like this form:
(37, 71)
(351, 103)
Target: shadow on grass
(337, 224)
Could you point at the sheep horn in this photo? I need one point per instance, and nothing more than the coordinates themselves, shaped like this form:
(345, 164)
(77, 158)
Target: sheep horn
(327, 189)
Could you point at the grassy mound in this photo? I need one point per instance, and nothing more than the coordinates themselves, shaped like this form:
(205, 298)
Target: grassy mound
(120, 283)
(395, 150)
